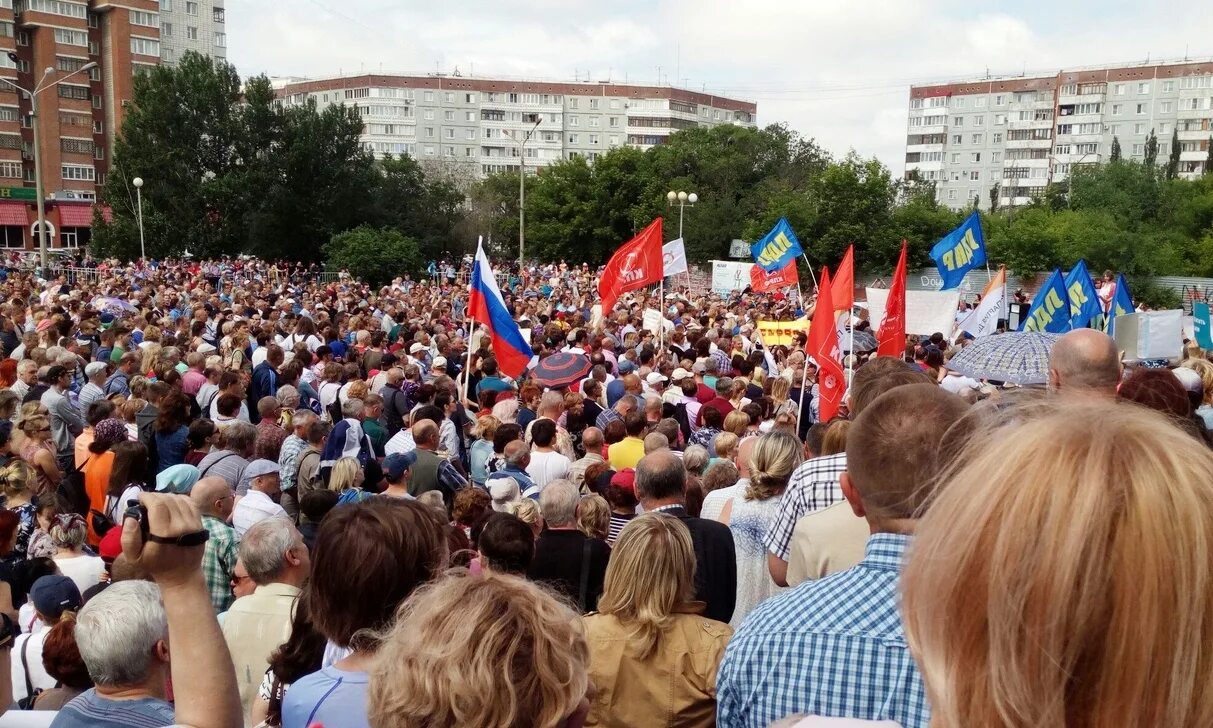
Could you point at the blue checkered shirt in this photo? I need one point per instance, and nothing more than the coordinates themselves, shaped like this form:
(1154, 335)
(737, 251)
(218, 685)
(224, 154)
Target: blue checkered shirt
(832, 647)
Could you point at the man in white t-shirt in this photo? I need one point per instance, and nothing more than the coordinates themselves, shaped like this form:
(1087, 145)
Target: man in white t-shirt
(261, 500)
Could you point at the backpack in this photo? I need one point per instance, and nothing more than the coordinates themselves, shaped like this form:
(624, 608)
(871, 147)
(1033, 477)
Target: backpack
(71, 493)
(334, 408)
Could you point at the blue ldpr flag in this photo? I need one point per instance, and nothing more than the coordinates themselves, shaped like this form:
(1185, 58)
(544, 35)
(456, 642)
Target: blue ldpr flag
(1050, 311)
(777, 248)
(1084, 301)
(1122, 303)
(960, 251)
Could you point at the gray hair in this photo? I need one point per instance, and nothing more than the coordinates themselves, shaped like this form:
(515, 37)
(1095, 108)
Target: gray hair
(695, 459)
(519, 455)
(558, 503)
(53, 353)
(551, 401)
(117, 630)
(263, 548)
(352, 408)
(239, 436)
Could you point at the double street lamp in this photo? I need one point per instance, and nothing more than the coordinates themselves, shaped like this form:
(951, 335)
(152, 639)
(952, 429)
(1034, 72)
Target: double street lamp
(33, 105)
(522, 190)
(683, 199)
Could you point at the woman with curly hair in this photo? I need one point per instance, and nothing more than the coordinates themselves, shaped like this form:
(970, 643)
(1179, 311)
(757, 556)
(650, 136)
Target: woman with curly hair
(17, 479)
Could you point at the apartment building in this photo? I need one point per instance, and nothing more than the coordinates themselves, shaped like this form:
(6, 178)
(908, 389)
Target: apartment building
(192, 25)
(1023, 133)
(479, 123)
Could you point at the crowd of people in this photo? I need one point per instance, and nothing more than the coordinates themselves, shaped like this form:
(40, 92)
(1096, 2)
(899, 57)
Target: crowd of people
(236, 495)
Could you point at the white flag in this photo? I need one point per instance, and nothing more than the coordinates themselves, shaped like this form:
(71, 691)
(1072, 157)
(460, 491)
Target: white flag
(674, 257)
(983, 320)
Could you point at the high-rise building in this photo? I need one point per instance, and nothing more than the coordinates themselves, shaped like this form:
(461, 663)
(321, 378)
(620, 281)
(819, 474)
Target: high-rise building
(192, 25)
(1023, 133)
(480, 122)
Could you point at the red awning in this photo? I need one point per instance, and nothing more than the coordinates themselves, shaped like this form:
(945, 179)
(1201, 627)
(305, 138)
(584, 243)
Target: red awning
(14, 213)
(107, 213)
(75, 216)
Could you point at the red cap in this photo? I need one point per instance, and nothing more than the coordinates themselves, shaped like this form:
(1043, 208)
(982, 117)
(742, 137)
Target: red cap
(111, 544)
(505, 396)
(625, 479)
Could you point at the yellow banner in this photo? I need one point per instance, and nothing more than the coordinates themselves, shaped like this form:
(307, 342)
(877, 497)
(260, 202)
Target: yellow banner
(780, 333)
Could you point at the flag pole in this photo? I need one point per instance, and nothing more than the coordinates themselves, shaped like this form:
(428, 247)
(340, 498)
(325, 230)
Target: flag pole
(810, 265)
(661, 314)
(804, 378)
(471, 327)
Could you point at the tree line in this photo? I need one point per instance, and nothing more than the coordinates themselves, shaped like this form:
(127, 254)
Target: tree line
(231, 171)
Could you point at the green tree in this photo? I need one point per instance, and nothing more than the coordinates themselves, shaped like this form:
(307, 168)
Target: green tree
(421, 207)
(376, 255)
(1152, 152)
(1209, 158)
(1173, 161)
(1115, 155)
(995, 191)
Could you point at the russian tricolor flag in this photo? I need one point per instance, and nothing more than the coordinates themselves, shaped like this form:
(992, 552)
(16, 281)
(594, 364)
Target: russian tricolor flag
(486, 305)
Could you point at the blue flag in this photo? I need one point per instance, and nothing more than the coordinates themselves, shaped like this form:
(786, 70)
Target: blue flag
(777, 248)
(960, 251)
(1050, 311)
(1122, 303)
(1084, 301)
(1202, 324)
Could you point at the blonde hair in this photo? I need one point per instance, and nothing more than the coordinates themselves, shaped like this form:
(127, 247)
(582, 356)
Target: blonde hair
(835, 439)
(486, 427)
(493, 651)
(33, 423)
(725, 444)
(151, 355)
(774, 457)
(1088, 603)
(16, 477)
(736, 422)
(651, 573)
(433, 499)
(344, 475)
(1204, 368)
(779, 390)
(527, 511)
(594, 516)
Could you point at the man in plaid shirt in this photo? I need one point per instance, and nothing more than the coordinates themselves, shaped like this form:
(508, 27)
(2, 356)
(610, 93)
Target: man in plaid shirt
(835, 647)
(215, 500)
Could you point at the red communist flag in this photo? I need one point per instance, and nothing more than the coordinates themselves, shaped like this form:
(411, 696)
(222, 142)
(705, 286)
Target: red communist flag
(823, 347)
(636, 264)
(843, 292)
(763, 282)
(891, 337)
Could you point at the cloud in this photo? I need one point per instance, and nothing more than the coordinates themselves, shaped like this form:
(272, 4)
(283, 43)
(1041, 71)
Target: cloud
(839, 72)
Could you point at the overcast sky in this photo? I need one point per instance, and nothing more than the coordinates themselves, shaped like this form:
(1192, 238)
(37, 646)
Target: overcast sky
(838, 71)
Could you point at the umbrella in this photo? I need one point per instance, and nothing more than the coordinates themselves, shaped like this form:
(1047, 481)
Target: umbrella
(864, 341)
(113, 306)
(561, 370)
(1017, 357)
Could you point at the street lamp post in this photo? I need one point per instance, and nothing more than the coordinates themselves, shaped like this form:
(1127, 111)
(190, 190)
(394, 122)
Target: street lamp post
(33, 112)
(683, 199)
(138, 182)
(522, 191)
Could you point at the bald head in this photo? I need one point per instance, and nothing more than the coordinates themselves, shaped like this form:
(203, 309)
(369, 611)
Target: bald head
(425, 433)
(211, 497)
(742, 458)
(1085, 361)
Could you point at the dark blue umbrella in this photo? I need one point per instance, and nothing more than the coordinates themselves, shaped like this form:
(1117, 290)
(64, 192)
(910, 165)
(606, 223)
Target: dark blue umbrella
(561, 370)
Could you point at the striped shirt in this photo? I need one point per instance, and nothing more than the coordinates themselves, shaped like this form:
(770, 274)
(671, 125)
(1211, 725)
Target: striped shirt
(833, 647)
(813, 486)
(618, 521)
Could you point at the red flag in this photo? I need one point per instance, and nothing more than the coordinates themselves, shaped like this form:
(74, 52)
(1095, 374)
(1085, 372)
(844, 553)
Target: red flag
(763, 282)
(843, 292)
(891, 337)
(823, 347)
(636, 264)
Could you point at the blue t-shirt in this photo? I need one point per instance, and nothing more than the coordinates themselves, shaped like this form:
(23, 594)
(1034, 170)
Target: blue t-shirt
(495, 384)
(332, 697)
(89, 710)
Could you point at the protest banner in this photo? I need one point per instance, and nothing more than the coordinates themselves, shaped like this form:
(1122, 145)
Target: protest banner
(1150, 334)
(927, 312)
(729, 276)
(781, 333)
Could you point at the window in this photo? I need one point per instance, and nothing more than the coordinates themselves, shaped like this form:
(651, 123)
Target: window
(23, 38)
(1065, 129)
(1088, 108)
(979, 120)
(10, 170)
(448, 115)
(1143, 88)
(166, 4)
(429, 132)
(614, 121)
(1116, 109)
(951, 194)
(593, 103)
(1164, 128)
(1091, 148)
(573, 103)
(1165, 107)
(58, 7)
(574, 121)
(1168, 86)
(1069, 89)
(191, 8)
(78, 172)
(594, 122)
(616, 105)
(1139, 128)
(8, 113)
(191, 32)
(1120, 89)
(614, 140)
(76, 146)
(1113, 129)
(166, 30)
(955, 158)
(429, 151)
(72, 37)
(915, 103)
(1139, 149)
(469, 98)
(1062, 149)
(428, 114)
(1141, 108)
(450, 97)
(470, 134)
(448, 151)
(67, 91)
(145, 46)
(573, 139)
(958, 121)
(449, 133)
(429, 95)
(220, 40)
(593, 139)
(1000, 119)
(148, 20)
(999, 100)
(998, 138)
(977, 138)
(996, 157)
(958, 102)
(980, 102)
(975, 157)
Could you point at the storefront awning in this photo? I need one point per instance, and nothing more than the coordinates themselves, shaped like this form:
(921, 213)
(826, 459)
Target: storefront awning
(14, 213)
(75, 216)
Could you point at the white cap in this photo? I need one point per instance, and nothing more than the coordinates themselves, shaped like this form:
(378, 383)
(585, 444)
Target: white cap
(655, 378)
(681, 374)
(416, 347)
(504, 492)
(439, 362)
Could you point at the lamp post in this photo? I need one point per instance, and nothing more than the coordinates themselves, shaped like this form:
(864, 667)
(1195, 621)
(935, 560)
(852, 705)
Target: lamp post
(683, 199)
(522, 190)
(33, 113)
(138, 182)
